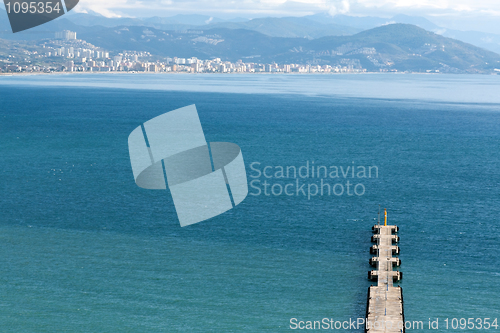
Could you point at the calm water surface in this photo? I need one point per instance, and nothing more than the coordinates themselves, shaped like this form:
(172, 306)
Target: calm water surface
(83, 249)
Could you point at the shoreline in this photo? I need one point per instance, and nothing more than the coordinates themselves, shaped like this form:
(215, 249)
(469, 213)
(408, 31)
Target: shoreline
(263, 73)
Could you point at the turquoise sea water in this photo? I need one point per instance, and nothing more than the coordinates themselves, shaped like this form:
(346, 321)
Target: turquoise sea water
(83, 249)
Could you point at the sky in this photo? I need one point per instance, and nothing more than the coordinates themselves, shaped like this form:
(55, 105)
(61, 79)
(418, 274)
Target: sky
(482, 15)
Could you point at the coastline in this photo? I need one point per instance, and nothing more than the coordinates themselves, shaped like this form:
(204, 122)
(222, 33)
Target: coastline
(235, 73)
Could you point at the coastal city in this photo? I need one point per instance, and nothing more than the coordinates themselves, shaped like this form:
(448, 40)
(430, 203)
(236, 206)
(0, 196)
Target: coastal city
(66, 53)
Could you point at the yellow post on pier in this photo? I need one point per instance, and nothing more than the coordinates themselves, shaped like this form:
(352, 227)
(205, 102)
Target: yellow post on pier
(385, 216)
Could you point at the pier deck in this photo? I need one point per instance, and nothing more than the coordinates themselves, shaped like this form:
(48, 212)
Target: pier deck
(385, 301)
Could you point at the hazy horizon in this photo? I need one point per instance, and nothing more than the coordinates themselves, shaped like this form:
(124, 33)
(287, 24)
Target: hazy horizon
(482, 16)
(461, 15)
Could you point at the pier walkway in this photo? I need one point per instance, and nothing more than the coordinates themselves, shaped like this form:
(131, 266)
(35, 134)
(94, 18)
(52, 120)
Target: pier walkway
(385, 311)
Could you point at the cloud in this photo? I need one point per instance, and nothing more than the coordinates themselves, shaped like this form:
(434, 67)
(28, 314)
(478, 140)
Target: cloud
(341, 8)
(437, 7)
(108, 8)
(114, 8)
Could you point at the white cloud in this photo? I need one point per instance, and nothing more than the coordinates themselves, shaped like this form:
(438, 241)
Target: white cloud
(433, 6)
(108, 8)
(113, 8)
(342, 7)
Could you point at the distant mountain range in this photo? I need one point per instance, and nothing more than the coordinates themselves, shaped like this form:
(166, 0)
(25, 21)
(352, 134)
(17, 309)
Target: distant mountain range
(311, 27)
(395, 46)
(316, 39)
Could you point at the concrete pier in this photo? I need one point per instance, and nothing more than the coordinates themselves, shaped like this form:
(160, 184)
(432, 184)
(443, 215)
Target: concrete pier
(384, 311)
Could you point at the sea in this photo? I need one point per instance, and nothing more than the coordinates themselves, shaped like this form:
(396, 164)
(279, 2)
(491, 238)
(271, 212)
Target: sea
(84, 249)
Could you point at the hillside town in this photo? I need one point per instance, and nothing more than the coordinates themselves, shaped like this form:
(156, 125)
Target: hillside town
(66, 53)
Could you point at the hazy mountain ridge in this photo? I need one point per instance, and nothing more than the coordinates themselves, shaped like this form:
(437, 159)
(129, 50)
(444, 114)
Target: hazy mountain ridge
(288, 27)
(399, 47)
(412, 48)
(311, 26)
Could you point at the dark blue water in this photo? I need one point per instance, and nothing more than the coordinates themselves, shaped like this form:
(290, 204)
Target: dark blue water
(83, 249)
